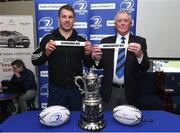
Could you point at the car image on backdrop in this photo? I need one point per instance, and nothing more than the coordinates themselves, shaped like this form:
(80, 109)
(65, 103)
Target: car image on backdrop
(13, 38)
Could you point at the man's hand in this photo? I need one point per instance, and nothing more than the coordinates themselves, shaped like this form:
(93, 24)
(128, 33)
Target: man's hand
(50, 47)
(18, 75)
(97, 53)
(136, 49)
(88, 48)
(1, 86)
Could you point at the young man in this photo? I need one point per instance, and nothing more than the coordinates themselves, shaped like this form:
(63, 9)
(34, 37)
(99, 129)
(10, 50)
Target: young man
(121, 66)
(23, 83)
(64, 63)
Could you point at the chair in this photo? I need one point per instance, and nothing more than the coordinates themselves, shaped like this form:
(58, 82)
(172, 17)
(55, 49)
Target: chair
(164, 90)
(149, 100)
(172, 80)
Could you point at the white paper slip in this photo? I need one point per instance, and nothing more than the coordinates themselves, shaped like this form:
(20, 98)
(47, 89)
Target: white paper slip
(70, 43)
(112, 45)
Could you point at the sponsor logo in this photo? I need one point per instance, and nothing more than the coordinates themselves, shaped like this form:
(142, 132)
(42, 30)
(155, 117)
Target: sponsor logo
(96, 22)
(56, 118)
(110, 23)
(99, 37)
(24, 23)
(80, 25)
(44, 73)
(49, 6)
(44, 90)
(45, 24)
(127, 5)
(102, 6)
(84, 36)
(80, 7)
(11, 59)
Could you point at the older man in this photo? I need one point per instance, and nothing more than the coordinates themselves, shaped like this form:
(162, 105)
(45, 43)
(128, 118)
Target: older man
(121, 65)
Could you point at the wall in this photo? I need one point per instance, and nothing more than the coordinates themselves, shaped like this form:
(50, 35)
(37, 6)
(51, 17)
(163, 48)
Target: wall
(159, 22)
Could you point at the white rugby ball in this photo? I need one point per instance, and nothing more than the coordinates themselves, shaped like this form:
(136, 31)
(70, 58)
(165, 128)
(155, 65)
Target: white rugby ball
(127, 114)
(54, 115)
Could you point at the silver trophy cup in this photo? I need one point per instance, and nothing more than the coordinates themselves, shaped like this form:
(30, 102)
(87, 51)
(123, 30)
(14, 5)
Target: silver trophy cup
(92, 110)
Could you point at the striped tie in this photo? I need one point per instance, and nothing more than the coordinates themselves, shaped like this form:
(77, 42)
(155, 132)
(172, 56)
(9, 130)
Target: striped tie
(120, 60)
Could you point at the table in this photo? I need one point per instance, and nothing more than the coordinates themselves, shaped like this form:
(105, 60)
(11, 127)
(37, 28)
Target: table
(5, 98)
(28, 121)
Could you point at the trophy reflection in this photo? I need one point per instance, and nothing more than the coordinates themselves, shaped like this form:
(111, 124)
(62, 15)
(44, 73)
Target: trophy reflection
(92, 110)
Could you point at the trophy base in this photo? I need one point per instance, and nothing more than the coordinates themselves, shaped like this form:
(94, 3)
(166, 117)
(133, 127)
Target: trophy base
(92, 126)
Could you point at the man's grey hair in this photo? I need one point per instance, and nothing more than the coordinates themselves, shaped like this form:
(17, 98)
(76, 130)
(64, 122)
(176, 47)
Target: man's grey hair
(123, 11)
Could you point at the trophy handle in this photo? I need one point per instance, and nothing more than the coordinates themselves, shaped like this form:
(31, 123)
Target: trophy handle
(99, 79)
(79, 87)
(101, 76)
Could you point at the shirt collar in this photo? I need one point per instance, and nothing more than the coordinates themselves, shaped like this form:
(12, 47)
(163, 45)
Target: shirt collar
(126, 36)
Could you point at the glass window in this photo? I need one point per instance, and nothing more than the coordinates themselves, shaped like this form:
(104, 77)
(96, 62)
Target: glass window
(166, 65)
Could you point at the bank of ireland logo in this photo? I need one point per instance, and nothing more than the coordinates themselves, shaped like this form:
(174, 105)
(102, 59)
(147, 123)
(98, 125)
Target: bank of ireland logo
(127, 5)
(96, 22)
(44, 90)
(80, 7)
(45, 24)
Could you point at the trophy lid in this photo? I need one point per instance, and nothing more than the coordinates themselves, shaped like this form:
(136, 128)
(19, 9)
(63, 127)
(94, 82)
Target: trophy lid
(90, 75)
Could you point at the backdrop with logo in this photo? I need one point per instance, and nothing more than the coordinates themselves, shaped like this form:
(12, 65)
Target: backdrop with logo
(94, 21)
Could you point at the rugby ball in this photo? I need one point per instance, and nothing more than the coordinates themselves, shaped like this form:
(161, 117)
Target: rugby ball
(127, 114)
(54, 115)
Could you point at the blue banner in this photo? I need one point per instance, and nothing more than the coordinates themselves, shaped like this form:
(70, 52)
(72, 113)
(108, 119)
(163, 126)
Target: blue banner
(94, 21)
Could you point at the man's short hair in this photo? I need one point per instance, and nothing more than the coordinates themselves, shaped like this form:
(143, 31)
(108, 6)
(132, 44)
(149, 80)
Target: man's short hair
(67, 7)
(123, 11)
(18, 63)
